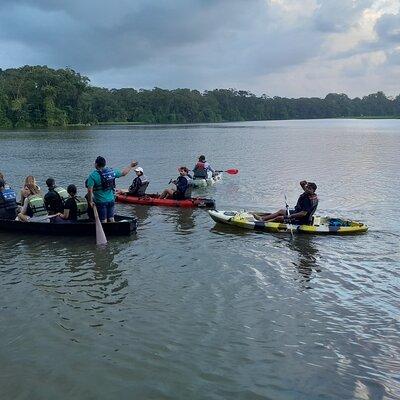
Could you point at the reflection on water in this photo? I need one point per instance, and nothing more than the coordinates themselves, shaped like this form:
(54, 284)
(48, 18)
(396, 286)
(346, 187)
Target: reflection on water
(188, 307)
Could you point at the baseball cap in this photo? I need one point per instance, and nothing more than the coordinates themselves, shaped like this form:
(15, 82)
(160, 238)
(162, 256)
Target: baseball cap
(138, 169)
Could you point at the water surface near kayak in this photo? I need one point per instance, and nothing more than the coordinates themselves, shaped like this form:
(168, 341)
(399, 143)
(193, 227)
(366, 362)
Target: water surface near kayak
(187, 309)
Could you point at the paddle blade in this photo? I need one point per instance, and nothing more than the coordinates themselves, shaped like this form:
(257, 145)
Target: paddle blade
(100, 235)
(232, 171)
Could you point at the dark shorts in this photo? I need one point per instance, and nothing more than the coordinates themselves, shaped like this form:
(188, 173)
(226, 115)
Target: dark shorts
(105, 210)
(178, 196)
(298, 221)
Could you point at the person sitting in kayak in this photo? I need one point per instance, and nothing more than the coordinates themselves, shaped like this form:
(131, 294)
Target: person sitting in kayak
(55, 198)
(202, 169)
(139, 184)
(75, 208)
(183, 186)
(8, 201)
(33, 205)
(304, 210)
(101, 184)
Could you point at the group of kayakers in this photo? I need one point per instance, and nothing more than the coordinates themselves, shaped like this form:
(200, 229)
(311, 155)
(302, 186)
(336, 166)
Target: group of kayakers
(61, 205)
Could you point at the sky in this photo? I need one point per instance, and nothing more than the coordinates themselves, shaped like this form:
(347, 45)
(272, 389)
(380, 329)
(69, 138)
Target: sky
(288, 48)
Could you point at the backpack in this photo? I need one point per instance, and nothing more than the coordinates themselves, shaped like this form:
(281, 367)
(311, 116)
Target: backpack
(107, 177)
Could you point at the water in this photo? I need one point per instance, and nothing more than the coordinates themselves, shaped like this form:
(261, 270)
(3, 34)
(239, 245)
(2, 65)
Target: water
(186, 309)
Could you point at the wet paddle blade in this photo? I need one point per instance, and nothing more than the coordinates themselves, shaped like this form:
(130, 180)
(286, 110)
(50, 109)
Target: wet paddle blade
(232, 171)
(100, 235)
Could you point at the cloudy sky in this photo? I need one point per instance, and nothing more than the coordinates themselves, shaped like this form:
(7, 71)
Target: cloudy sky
(277, 47)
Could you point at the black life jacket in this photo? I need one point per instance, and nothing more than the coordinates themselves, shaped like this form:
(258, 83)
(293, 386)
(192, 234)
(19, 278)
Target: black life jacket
(8, 204)
(199, 171)
(107, 177)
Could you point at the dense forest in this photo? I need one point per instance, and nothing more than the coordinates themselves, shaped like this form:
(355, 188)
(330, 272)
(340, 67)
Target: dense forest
(38, 96)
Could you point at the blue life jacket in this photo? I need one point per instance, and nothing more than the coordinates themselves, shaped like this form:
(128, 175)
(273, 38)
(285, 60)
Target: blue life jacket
(107, 177)
(8, 203)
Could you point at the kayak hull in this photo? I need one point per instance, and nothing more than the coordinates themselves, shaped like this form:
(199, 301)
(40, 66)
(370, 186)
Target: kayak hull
(154, 200)
(123, 226)
(198, 183)
(321, 225)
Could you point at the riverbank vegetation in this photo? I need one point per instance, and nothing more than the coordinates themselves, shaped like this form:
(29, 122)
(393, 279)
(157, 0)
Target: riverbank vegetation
(38, 96)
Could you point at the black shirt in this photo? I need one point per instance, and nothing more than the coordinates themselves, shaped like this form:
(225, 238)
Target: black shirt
(53, 202)
(307, 203)
(70, 204)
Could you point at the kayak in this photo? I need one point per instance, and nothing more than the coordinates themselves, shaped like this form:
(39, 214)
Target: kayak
(321, 225)
(154, 200)
(123, 226)
(199, 182)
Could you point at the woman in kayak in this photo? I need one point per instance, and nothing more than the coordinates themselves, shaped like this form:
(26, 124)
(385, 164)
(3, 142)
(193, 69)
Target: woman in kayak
(183, 186)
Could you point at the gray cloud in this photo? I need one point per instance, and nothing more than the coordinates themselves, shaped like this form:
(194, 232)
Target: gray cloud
(181, 43)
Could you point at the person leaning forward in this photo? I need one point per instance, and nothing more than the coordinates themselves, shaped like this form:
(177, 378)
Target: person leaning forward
(303, 211)
(101, 184)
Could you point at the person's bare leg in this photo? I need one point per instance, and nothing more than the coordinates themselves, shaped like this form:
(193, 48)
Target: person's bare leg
(170, 193)
(273, 215)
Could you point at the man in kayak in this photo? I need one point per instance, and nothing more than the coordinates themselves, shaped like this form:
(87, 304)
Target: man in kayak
(202, 169)
(55, 198)
(101, 184)
(304, 210)
(139, 184)
(183, 186)
(8, 201)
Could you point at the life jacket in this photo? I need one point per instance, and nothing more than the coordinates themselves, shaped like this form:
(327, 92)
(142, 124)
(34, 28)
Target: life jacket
(36, 205)
(139, 186)
(8, 203)
(81, 208)
(188, 191)
(200, 171)
(107, 177)
(62, 193)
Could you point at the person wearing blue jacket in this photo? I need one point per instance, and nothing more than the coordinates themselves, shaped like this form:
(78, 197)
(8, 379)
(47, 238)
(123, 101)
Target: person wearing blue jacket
(183, 186)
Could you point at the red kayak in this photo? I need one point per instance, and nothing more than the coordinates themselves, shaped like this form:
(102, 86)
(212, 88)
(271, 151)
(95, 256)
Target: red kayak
(154, 200)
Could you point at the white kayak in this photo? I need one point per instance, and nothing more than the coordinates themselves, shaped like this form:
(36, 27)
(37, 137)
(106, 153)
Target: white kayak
(197, 183)
(320, 225)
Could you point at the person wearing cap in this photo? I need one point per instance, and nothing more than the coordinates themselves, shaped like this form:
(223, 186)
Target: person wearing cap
(101, 184)
(202, 169)
(139, 184)
(303, 211)
(183, 186)
(8, 201)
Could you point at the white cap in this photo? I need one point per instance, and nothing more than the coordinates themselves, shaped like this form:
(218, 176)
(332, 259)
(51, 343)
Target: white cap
(138, 169)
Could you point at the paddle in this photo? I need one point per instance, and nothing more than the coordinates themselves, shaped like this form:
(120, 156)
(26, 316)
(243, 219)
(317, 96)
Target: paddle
(231, 171)
(288, 215)
(100, 235)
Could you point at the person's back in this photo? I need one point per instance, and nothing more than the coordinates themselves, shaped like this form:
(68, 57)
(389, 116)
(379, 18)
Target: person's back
(8, 202)
(101, 188)
(55, 198)
(75, 208)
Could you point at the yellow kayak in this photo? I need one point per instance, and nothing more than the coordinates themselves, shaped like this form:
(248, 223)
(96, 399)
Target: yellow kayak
(320, 225)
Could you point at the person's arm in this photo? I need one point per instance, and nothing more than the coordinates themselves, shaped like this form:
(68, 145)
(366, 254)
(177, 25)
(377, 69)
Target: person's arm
(128, 168)
(65, 215)
(300, 214)
(303, 184)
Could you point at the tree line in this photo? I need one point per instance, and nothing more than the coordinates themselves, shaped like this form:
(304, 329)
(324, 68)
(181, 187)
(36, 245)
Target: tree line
(38, 96)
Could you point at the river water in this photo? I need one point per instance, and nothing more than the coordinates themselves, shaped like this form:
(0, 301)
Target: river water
(185, 309)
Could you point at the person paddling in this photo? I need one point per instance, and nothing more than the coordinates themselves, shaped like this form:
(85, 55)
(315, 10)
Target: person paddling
(183, 186)
(303, 211)
(202, 169)
(101, 184)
